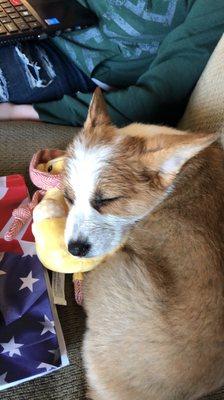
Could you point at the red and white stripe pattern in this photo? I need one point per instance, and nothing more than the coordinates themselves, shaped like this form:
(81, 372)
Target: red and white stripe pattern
(14, 193)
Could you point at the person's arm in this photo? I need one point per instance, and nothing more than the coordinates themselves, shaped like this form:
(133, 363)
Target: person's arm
(161, 93)
(9, 111)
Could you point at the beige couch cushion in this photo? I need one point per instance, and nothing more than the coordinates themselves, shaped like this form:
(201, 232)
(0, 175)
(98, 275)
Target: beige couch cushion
(205, 111)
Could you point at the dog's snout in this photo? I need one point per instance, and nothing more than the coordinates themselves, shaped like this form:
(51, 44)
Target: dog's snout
(79, 248)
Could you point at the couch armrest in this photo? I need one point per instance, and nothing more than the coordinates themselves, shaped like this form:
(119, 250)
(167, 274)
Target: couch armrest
(205, 110)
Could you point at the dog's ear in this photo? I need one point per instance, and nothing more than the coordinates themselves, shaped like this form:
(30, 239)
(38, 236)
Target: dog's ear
(97, 114)
(166, 154)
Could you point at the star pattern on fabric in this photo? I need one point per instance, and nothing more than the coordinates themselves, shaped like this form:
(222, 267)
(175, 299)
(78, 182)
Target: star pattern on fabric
(46, 366)
(2, 379)
(28, 282)
(11, 347)
(48, 326)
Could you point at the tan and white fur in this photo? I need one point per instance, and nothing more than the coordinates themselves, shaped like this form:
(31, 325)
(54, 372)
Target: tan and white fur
(155, 308)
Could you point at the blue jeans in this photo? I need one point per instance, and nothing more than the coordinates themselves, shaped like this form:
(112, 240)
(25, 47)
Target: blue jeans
(33, 72)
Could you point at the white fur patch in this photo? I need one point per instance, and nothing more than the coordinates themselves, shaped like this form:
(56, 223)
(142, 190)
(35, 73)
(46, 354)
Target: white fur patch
(85, 169)
(84, 172)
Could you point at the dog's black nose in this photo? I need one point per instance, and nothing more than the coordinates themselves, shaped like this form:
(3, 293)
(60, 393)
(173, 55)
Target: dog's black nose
(79, 248)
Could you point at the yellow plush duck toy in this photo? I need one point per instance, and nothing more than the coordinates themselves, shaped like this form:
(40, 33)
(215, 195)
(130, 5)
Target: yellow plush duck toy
(49, 218)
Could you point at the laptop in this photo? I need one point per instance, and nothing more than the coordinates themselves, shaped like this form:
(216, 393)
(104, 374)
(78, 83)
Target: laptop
(38, 19)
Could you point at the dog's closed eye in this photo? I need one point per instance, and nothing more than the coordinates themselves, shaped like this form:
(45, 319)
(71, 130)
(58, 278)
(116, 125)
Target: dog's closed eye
(98, 202)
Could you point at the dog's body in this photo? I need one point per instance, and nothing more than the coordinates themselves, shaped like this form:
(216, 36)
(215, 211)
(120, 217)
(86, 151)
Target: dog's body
(155, 328)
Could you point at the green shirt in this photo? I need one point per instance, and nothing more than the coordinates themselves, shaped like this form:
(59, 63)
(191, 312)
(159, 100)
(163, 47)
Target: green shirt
(153, 52)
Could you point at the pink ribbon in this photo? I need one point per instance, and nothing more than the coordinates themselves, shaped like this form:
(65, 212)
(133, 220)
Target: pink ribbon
(22, 215)
(78, 291)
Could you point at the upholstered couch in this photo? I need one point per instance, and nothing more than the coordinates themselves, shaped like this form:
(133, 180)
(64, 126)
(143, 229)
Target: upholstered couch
(18, 141)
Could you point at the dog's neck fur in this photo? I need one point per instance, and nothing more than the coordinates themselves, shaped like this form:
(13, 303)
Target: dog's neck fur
(185, 216)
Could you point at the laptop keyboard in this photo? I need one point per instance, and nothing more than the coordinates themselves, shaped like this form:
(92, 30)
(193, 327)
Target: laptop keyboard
(15, 17)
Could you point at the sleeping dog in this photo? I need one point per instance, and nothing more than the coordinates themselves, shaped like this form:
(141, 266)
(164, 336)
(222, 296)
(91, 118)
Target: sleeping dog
(155, 308)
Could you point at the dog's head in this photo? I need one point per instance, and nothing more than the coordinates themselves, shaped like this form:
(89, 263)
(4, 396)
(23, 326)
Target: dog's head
(115, 177)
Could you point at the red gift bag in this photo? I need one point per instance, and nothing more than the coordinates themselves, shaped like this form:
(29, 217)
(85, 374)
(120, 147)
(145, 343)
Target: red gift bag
(26, 305)
(13, 193)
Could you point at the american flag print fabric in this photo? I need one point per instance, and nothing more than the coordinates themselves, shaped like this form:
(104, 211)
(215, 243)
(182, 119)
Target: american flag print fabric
(13, 193)
(31, 339)
(31, 343)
